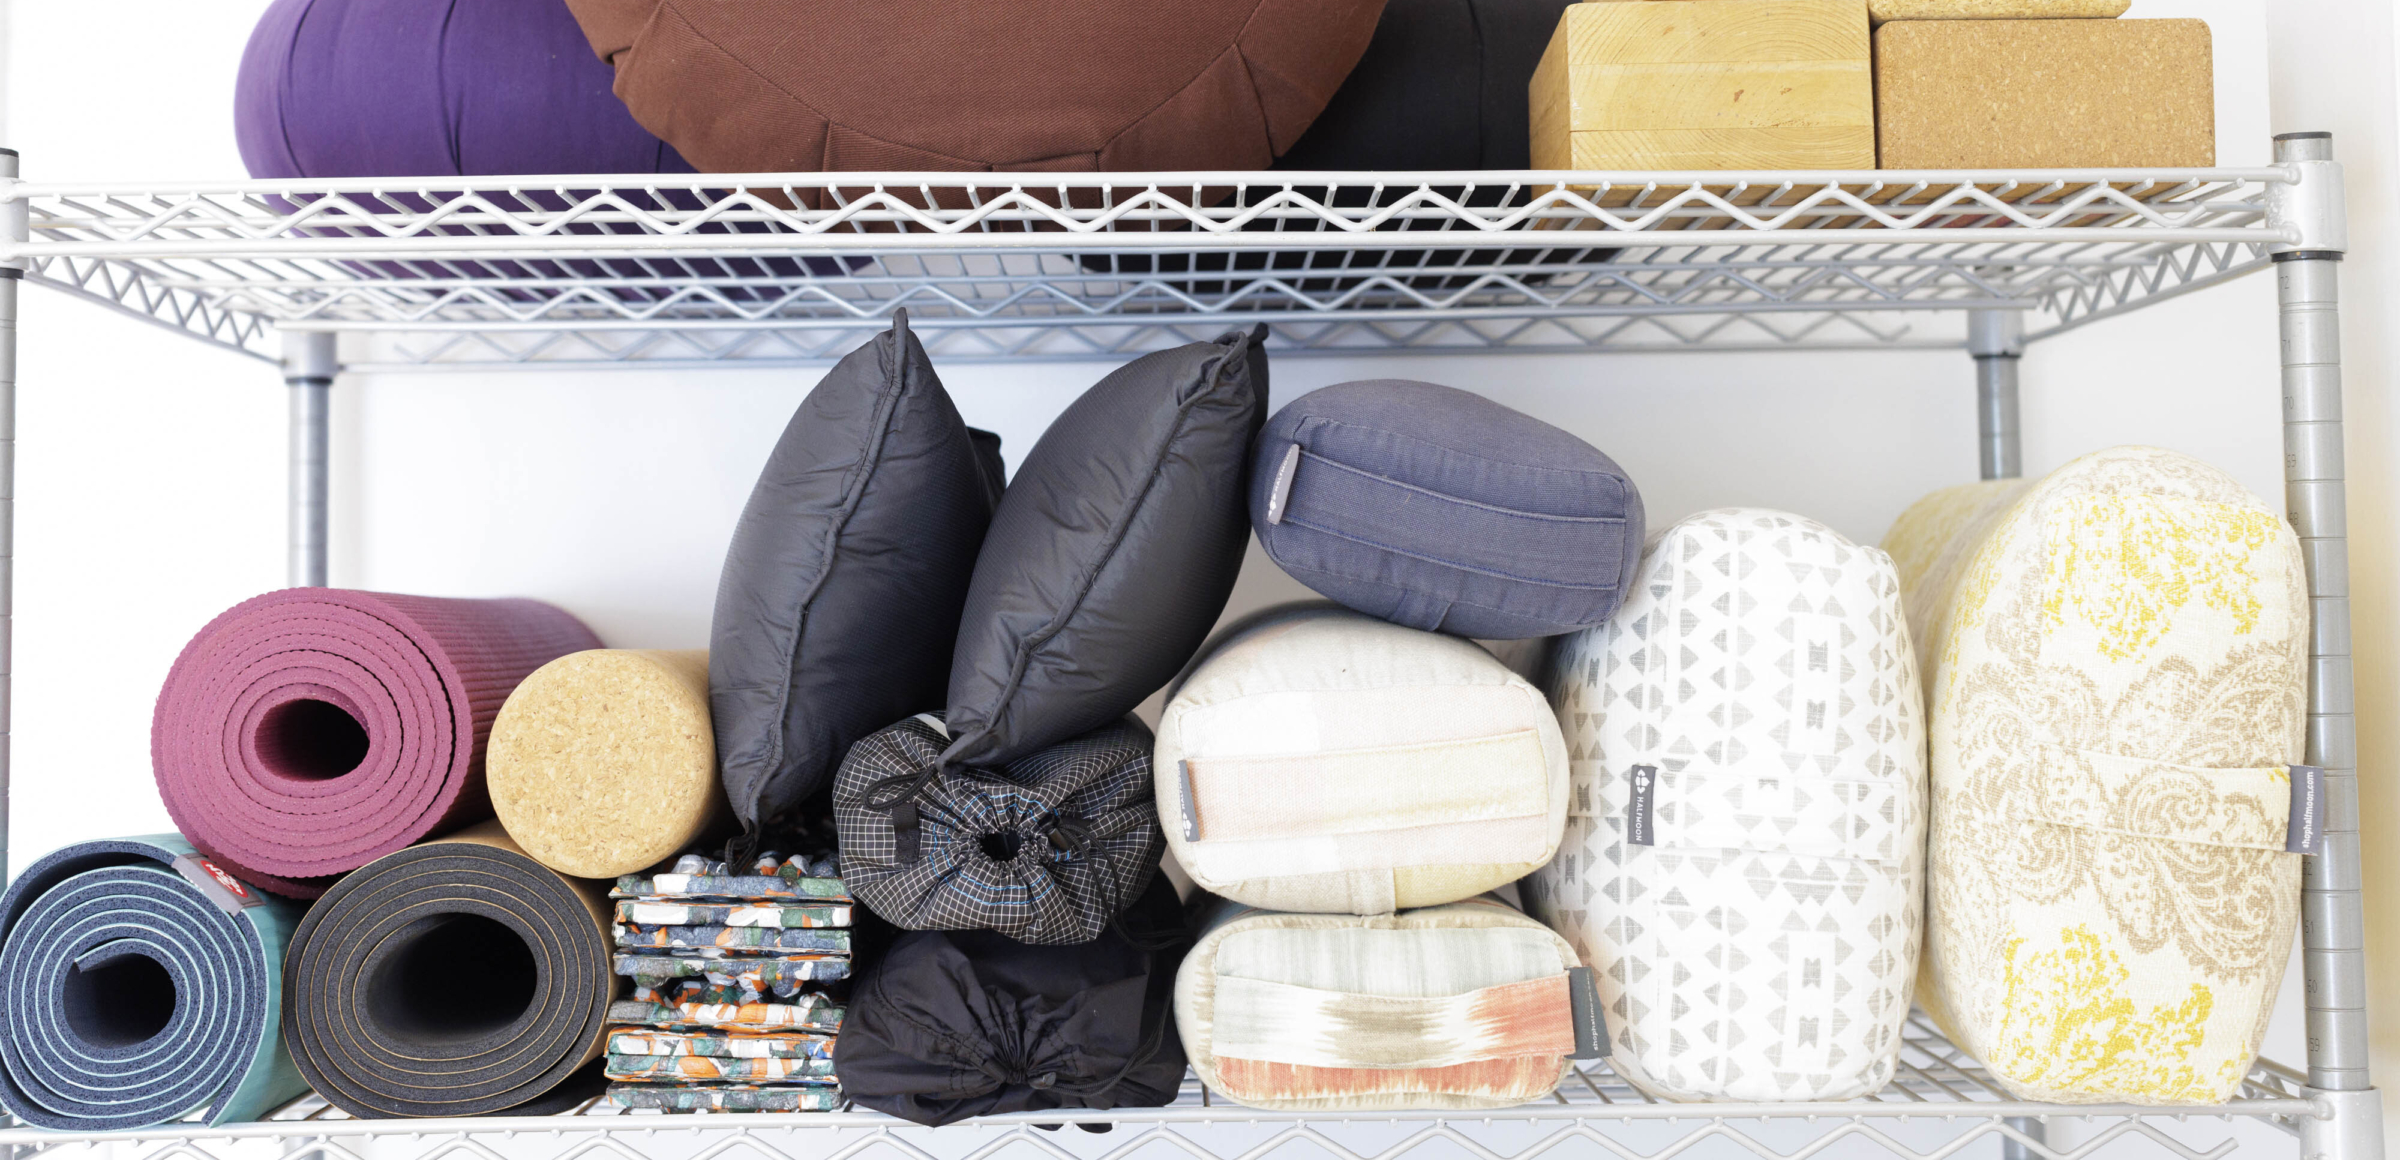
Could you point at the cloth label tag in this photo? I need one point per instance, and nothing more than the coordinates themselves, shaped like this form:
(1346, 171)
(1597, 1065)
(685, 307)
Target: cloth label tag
(1591, 1024)
(1638, 826)
(1282, 493)
(2305, 832)
(1191, 817)
(231, 894)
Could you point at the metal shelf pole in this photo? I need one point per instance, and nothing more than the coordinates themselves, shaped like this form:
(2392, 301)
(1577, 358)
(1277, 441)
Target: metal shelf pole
(13, 227)
(2333, 919)
(308, 369)
(1997, 340)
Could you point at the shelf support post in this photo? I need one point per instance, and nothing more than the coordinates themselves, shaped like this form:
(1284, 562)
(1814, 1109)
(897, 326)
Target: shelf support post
(1997, 340)
(2332, 916)
(308, 370)
(16, 231)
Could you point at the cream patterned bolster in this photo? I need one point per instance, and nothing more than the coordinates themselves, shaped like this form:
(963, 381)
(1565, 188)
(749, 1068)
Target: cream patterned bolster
(2243, 808)
(1257, 1020)
(1314, 807)
(1817, 817)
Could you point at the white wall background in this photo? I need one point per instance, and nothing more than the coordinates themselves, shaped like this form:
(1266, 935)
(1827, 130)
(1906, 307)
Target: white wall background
(151, 476)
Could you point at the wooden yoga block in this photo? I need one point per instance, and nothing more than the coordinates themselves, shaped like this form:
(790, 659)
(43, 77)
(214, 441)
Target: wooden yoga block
(2050, 94)
(1706, 84)
(1882, 10)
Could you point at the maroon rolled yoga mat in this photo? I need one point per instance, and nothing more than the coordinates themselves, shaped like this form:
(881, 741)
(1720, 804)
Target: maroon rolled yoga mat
(308, 732)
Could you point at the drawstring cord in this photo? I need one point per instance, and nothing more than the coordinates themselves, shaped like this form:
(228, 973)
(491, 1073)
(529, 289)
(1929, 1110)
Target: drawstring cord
(1074, 836)
(896, 794)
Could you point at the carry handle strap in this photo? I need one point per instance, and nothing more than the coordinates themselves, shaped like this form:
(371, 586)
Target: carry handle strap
(1779, 813)
(2245, 808)
(1318, 491)
(897, 793)
(1317, 795)
(1531, 1017)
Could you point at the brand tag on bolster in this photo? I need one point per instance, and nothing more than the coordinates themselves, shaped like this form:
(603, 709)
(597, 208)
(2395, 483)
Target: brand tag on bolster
(1191, 817)
(2305, 832)
(1637, 807)
(1591, 1024)
(1281, 496)
(231, 894)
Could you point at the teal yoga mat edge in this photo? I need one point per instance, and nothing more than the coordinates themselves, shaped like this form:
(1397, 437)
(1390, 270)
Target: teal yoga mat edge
(270, 1078)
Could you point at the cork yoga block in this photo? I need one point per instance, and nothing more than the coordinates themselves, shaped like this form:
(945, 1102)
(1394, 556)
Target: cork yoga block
(1706, 84)
(603, 763)
(2057, 94)
(1882, 10)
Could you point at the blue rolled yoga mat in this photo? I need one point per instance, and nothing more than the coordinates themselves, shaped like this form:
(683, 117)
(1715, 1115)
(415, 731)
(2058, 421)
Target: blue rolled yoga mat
(138, 987)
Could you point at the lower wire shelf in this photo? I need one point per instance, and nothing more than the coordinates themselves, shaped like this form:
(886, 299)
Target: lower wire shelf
(1942, 1104)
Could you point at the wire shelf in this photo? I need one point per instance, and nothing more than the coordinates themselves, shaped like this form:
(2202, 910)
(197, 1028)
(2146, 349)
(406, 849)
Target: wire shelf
(1941, 1102)
(803, 267)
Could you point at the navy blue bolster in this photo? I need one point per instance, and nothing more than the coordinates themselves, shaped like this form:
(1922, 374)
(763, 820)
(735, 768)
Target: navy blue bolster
(1566, 551)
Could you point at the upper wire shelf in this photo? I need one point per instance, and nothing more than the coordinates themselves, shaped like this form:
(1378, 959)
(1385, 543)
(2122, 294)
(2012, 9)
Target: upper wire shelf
(802, 267)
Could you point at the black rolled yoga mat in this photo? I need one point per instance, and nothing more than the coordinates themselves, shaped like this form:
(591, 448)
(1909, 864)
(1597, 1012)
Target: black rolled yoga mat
(141, 988)
(453, 978)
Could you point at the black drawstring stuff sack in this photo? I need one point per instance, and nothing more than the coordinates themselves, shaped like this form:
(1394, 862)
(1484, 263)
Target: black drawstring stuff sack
(971, 1023)
(1046, 848)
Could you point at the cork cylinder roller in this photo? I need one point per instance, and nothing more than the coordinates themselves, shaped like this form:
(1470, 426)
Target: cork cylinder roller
(603, 763)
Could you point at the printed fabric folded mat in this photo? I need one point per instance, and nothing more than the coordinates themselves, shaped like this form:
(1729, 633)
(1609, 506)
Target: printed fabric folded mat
(709, 942)
(812, 1011)
(755, 978)
(724, 1098)
(641, 912)
(706, 1068)
(630, 1041)
(767, 879)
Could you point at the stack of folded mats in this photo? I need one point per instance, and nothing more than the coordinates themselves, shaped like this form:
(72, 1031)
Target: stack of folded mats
(729, 966)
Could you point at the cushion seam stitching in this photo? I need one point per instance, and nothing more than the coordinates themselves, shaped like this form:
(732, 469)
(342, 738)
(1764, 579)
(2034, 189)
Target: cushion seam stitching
(854, 492)
(1116, 540)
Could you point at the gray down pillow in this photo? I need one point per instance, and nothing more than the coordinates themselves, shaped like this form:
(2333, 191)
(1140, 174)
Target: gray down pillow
(840, 598)
(1112, 553)
(1442, 510)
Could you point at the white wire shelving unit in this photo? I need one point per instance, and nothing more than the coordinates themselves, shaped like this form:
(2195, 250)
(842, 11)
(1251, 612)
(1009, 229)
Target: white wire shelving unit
(801, 268)
(1941, 1104)
(757, 269)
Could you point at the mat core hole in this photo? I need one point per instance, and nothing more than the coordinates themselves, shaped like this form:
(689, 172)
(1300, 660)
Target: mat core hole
(452, 977)
(121, 1002)
(1001, 845)
(311, 739)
